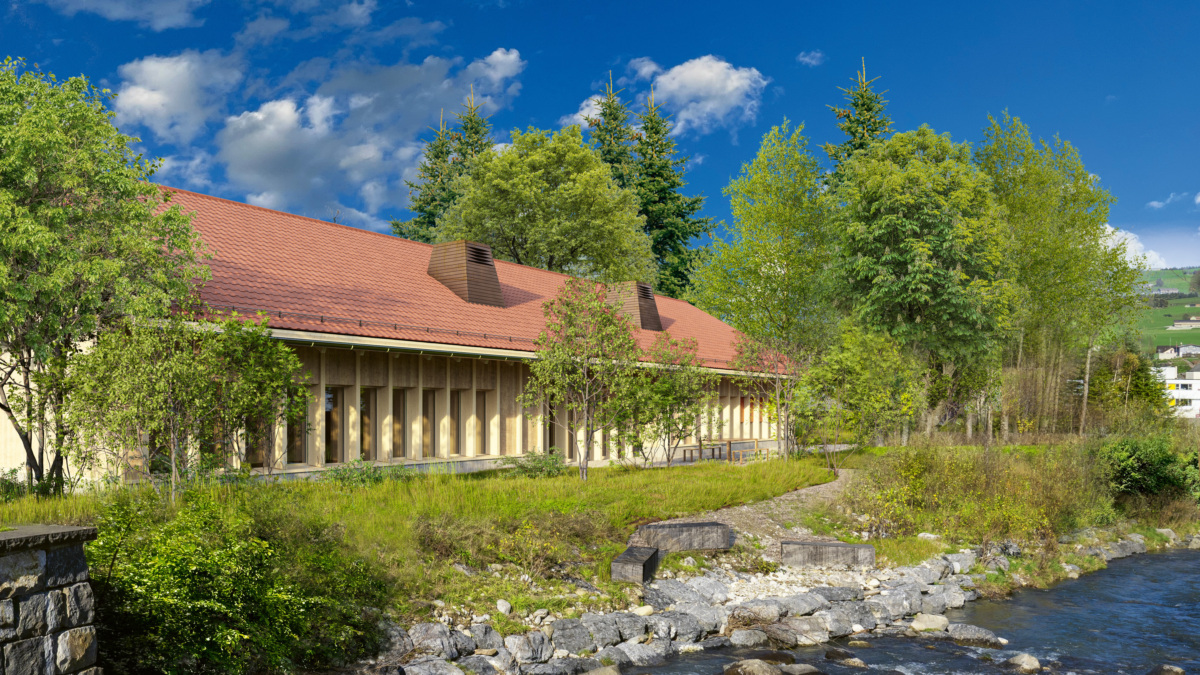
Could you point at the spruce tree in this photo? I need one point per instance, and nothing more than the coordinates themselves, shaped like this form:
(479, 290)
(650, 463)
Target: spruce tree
(864, 121)
(671, 221)
(612, 135)
(446, 157)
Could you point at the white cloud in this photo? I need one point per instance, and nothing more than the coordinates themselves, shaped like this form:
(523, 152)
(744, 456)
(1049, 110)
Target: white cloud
(175, 95)
(186, 170)
(157, 15)
(589, 108)
(709, 92)
(1197, 199)
(262, 30)
(1175, 197)
(812, 58)
(643, 68)
(1135, 250)
(358, 132)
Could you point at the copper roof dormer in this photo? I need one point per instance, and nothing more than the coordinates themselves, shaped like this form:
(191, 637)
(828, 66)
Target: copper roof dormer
(467, 268)
(635, 299)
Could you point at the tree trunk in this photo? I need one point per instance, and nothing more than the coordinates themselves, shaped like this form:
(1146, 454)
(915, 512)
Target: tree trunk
(970, 426)
(904, 434)
(1087, 380)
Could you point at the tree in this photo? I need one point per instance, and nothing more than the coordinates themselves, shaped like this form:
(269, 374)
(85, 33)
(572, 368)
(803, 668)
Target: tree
(772, 279)
(612, 135)
(864, 122)
(1194, 282)
(671, 221)
(85, 239)
(446, 158)
(183, 396)
(585, 359)
(677, 391)
(921, 255)
(550, 202)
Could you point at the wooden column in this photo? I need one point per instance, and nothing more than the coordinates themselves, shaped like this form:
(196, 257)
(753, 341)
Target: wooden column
(418, 431)
(471, 426)
(319, 427)
(386, 442)
(353, 426)
(495, 441)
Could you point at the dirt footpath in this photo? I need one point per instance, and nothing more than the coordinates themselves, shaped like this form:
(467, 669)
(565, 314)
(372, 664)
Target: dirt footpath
(768, 522)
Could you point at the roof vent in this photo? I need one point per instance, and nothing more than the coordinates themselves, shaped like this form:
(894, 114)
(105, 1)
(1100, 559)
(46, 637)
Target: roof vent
(467, 268)
(636, 300)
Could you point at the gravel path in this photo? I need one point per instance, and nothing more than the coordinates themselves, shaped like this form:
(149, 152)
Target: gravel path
(770, 521)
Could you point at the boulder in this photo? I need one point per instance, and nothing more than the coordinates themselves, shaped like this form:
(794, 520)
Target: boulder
(838, 654)
(802, 604)
(678, 626)
(800, 669)
(839, 593)
(859, 614)
(973, 636)
(809, 630)
(644, 610)
(532, 647)
(604, 670)
(748, 638)
(603, 629)
(486, 637)
(653, 653)
(837, 621)
(780, 635)
(752, 667)
(1168, 533)
(478, 664)
(954, 596)
(463, 643)
(435, 640)
(614, 655)
(715, 642)
(712, 591)
(577, 666)
(1024, 663)
(1166, 669)
(960, 562)
(504, 607)
(551, 667)
(935, 602)
(571, 635)
(629, 626)
(887, 606)
(677, 591)
(996, 563)
(711, 619)
(431, 666)
(757, 611)
(656, 598)
(1195, 543)
(930, 622)
(396, 642)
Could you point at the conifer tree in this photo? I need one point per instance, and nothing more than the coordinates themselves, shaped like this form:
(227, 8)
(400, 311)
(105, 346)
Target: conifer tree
(864, 121)
(611, 133)
(446, 157)
(671, 221)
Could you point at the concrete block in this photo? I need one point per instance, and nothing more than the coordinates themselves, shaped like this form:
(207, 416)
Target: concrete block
(826, 554)
(637, 564)
(673, 537)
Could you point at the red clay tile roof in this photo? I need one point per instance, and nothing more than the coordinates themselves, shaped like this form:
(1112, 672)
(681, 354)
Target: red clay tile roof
(323, 277)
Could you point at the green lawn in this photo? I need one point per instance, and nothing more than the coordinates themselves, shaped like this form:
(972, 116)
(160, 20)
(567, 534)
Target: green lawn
(1154, 321)
(1177, 279)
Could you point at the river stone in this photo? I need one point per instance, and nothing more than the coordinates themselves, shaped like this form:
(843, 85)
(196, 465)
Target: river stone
(1137, 545)
(809, 630)
(653, 653)
(930, 622)
(748, 638)
(575, 665)
(939, 567)
(430, 666)
(434, 639)
(1195, 542)
(1168, 533)
(757, 611)
(480, 665)
(860, 615)
(838, 654)
(678, 626)
(677, 591)
(800, 669)
(486, 637)
(780, 635)
(996, 563)
(752, 667)
(712, 591)
(463, 643)
(934, 603)
(839, 593)
(614, 655)
(1166, 669)
(960, 562)
(603, 629)
(802, 604)
(887, 606)
(973, 636)
(711, 619)
(605, 670)
(657, 599)
(837, 621)
(715, 642)
(630, 626)
(532, 647)
(551, 667)
(955, 598)
(572, 635)
(1024, 663)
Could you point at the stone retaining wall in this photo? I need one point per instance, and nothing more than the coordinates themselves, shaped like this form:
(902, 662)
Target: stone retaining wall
(46, 606)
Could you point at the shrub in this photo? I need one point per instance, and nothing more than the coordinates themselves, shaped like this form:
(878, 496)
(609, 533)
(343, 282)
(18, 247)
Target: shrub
(1145, 466)
(536, 464)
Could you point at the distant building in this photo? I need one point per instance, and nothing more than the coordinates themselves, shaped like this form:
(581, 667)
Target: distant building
(1183, 390)
(1177, 351)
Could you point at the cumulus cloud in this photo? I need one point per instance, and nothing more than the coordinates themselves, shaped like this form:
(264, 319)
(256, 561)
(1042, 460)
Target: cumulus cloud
(262, 30)
(1175, 197)
(708, 92)
(643, 68)
(589, 108)
(186, 170)
(357, 133)
(1197, 199)
(174, 96)
(158, 15)
(1135, 250)
(811, 59)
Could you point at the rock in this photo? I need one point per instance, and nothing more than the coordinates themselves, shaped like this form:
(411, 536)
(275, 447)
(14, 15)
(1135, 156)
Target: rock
(1024, 663)
(960, 562)
(752, 667)
(631, 626)
(954, 596)
(712, 591)
(996, 563)
(838, 654)
(503, 607)
(802, 604)
(800, 669)
(1195, 543)
(486, 652)
(435, 640)
(431, 666)
(934, 603)
(1073, 571)
(80, 605)
(656, 598)
(859, 644)
(837, 621)
(1168, 533)
(928, 536)
(463, 642)
(396, 642)
(1166, 669)
(573, 636)
(854, 663)
(644, 610)
(678, 626)
(486, 637)
(552, 667)
(887, 607)
(614, 656)
(605, 670)
(653, 653)
(532, 647)
(757, 611)
(715, 642)
(478, 664)
(576, 665)
(603, 629)
(711, 619)
(809, 630)
(76, 649)
(678, 591)
(930, 622)
(859, 614)
(748, 638)
(839, 593)
(780, 635)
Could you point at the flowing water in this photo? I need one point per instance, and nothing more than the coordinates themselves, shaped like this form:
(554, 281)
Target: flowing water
(1142, 611)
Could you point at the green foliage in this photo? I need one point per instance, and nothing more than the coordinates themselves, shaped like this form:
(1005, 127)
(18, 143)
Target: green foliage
(611, 134)
(1144, 466)
(549, 201)
(1194, 282)
(864, 122)
(85, 239)
(675, 392)
(229, 586)
(536, 464)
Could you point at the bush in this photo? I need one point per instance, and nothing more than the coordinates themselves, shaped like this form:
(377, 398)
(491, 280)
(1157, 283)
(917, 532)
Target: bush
(1145, 466)
(536, 464)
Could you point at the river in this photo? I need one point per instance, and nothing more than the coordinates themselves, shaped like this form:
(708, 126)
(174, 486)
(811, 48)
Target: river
(1142, 611)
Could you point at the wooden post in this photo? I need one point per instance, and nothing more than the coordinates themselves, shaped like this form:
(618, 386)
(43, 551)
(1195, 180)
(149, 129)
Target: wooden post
(729, 450)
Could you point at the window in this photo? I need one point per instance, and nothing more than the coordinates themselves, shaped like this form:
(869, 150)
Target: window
(428, 421)
(366, 423)
(297, 441)
(333, 425)
(1186, 386)
(481, 423)
(399, 428)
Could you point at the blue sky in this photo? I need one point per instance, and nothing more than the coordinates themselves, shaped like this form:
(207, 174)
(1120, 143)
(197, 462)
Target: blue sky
(320, 108)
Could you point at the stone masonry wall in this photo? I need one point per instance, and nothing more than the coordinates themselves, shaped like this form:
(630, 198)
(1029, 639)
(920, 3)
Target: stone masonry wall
(46, 606)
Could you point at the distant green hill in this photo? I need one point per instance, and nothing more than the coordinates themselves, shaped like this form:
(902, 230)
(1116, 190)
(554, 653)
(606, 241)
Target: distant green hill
(1176, 278)
(1154, 320)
